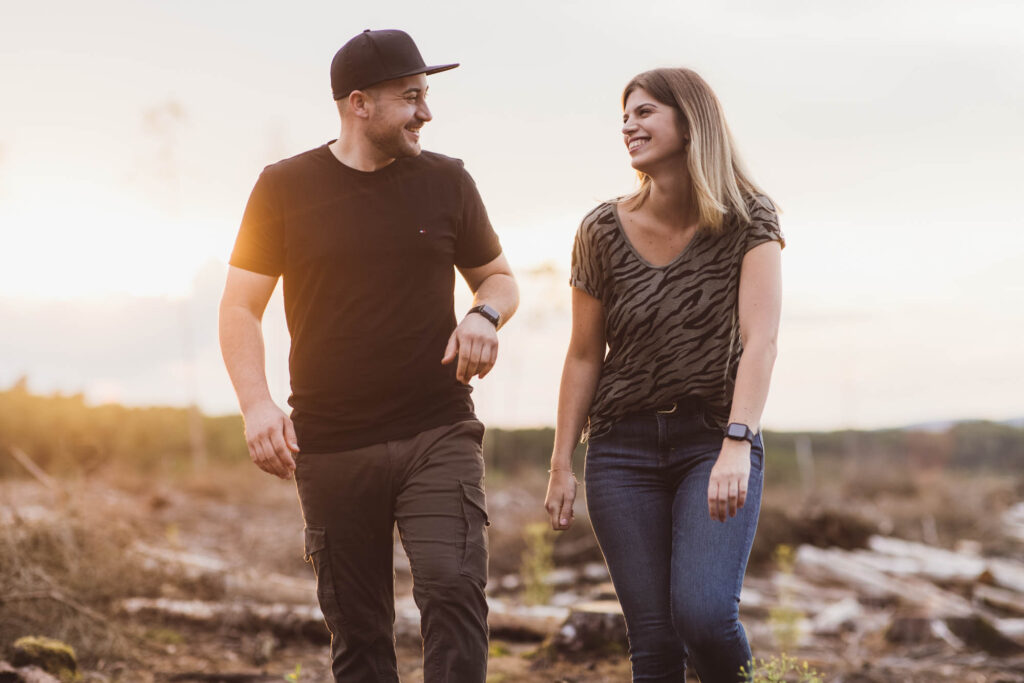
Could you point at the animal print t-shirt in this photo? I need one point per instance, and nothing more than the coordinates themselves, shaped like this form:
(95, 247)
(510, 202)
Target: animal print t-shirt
(672, 331)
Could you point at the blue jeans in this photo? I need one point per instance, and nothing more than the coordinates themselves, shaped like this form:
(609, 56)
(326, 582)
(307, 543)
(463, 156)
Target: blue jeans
(677, 572)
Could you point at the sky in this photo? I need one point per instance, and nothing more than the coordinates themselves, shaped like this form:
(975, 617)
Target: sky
(890, 133)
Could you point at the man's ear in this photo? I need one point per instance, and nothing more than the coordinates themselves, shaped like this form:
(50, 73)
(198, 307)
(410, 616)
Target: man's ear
(360, 104)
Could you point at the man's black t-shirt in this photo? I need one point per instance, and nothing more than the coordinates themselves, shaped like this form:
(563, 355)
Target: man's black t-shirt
(367, 260)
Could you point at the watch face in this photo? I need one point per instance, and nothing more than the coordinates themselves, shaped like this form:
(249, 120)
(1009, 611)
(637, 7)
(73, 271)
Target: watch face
(736, 431)
(490, 313)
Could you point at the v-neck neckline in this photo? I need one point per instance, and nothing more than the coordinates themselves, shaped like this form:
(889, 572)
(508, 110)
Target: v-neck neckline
(622, 231)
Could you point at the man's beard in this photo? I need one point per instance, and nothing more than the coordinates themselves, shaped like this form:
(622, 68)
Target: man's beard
(392, 142)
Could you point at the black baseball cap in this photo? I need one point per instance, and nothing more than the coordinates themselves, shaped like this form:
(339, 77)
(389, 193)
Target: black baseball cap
(375, 56)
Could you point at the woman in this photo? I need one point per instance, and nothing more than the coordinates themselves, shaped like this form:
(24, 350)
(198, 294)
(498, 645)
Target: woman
(681, 280)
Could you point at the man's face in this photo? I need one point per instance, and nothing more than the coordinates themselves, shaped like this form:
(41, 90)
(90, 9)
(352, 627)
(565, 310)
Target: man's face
(399, 110)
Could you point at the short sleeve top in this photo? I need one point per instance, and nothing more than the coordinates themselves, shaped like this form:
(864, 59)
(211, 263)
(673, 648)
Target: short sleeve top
(672, 331)
(368, 263)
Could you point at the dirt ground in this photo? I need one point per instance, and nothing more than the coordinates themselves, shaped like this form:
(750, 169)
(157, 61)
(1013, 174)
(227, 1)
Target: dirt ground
(251, 522)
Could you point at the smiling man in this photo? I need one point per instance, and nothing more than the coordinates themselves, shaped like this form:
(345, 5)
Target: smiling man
(367, 232)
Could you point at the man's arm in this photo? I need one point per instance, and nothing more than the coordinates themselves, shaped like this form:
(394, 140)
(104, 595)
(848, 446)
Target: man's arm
(475, 341)
(269, 433)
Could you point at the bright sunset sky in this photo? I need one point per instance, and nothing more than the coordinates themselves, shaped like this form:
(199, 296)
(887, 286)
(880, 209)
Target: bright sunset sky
(891, 134)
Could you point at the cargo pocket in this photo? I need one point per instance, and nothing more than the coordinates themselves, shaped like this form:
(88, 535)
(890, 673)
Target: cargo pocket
(473, 562)
(318, 553)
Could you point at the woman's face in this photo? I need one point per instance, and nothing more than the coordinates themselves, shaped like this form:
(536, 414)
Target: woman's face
(652, 131)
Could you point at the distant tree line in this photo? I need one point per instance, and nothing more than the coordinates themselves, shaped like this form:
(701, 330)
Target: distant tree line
(64, 434)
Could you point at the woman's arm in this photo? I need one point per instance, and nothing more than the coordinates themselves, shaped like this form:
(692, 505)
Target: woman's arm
(760, 307)
(579, 381)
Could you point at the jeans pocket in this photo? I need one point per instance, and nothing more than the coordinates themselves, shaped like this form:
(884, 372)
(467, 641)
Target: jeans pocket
(757, 455)
(317, 552)
(473, 544)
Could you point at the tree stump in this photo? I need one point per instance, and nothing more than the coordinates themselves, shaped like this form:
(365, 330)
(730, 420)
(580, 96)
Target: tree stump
(592, 628)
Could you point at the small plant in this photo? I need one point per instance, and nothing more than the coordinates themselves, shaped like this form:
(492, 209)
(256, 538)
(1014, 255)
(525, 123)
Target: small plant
(165, 636)
(293, 677)
(784, 619)
(780, 669)
(537, 563)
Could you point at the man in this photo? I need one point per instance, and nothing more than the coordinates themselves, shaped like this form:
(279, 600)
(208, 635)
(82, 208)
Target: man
(365, 231)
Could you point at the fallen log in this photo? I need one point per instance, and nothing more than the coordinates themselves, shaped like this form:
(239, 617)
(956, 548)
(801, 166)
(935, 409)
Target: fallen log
(25, 674)
(592, 627)
(284, 621)
(1011, 601)
(837, 617)
(523, 623)
(982, 634)
(918, 629)
(250, 584)
(943, 565)
(936, 614)
(847, 568)
(1007, 574)
(1013, 522)
(897, 556)
(508, 622)
(224, 677)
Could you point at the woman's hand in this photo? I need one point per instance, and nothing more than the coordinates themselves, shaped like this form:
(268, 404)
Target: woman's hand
(727, 489)
(560, 498)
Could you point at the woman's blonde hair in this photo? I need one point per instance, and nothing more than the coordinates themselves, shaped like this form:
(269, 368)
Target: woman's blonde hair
(720, 182)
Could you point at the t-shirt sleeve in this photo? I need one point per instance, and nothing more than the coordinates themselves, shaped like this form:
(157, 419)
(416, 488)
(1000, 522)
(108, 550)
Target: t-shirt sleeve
(477, 243)
(764, 224)
(585, 270)
(259, 246)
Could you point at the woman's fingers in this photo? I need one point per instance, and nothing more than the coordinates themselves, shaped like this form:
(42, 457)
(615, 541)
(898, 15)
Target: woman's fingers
(713, 498)
(734, 488)
(565, 514)
(559, 500)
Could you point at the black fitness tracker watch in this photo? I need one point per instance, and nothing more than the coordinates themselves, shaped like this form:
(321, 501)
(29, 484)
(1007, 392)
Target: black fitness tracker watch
(487, 312)
(738, 431)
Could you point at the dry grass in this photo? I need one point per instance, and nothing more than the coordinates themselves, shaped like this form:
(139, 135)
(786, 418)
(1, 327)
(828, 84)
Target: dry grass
(62, 570)
(65, 556)
(63, 559)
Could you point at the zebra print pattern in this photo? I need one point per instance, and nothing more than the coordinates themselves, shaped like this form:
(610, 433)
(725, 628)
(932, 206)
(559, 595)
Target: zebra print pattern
(672, 331)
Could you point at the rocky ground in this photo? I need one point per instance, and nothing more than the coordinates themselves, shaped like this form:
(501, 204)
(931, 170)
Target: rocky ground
(182, 577)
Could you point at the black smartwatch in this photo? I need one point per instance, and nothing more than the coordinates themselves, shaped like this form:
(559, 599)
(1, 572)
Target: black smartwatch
(737, 431)
(487, 312)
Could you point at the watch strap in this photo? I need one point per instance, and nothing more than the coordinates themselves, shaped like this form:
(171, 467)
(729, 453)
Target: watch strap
(491, 315)
(739, 432)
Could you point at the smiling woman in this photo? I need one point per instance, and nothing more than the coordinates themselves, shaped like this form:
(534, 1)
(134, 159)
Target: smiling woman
(95, 243)
(676, 305)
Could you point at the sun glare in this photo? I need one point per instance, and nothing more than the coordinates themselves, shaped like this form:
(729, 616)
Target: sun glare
(95, 244)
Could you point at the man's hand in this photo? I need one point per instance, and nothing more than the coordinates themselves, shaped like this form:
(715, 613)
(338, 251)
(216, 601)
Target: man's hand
(727, 488)
(560, 498)
(475, 343)
(271, 439)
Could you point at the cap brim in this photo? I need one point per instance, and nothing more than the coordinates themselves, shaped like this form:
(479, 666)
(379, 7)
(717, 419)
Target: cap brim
(426, 70)
(437, 69)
